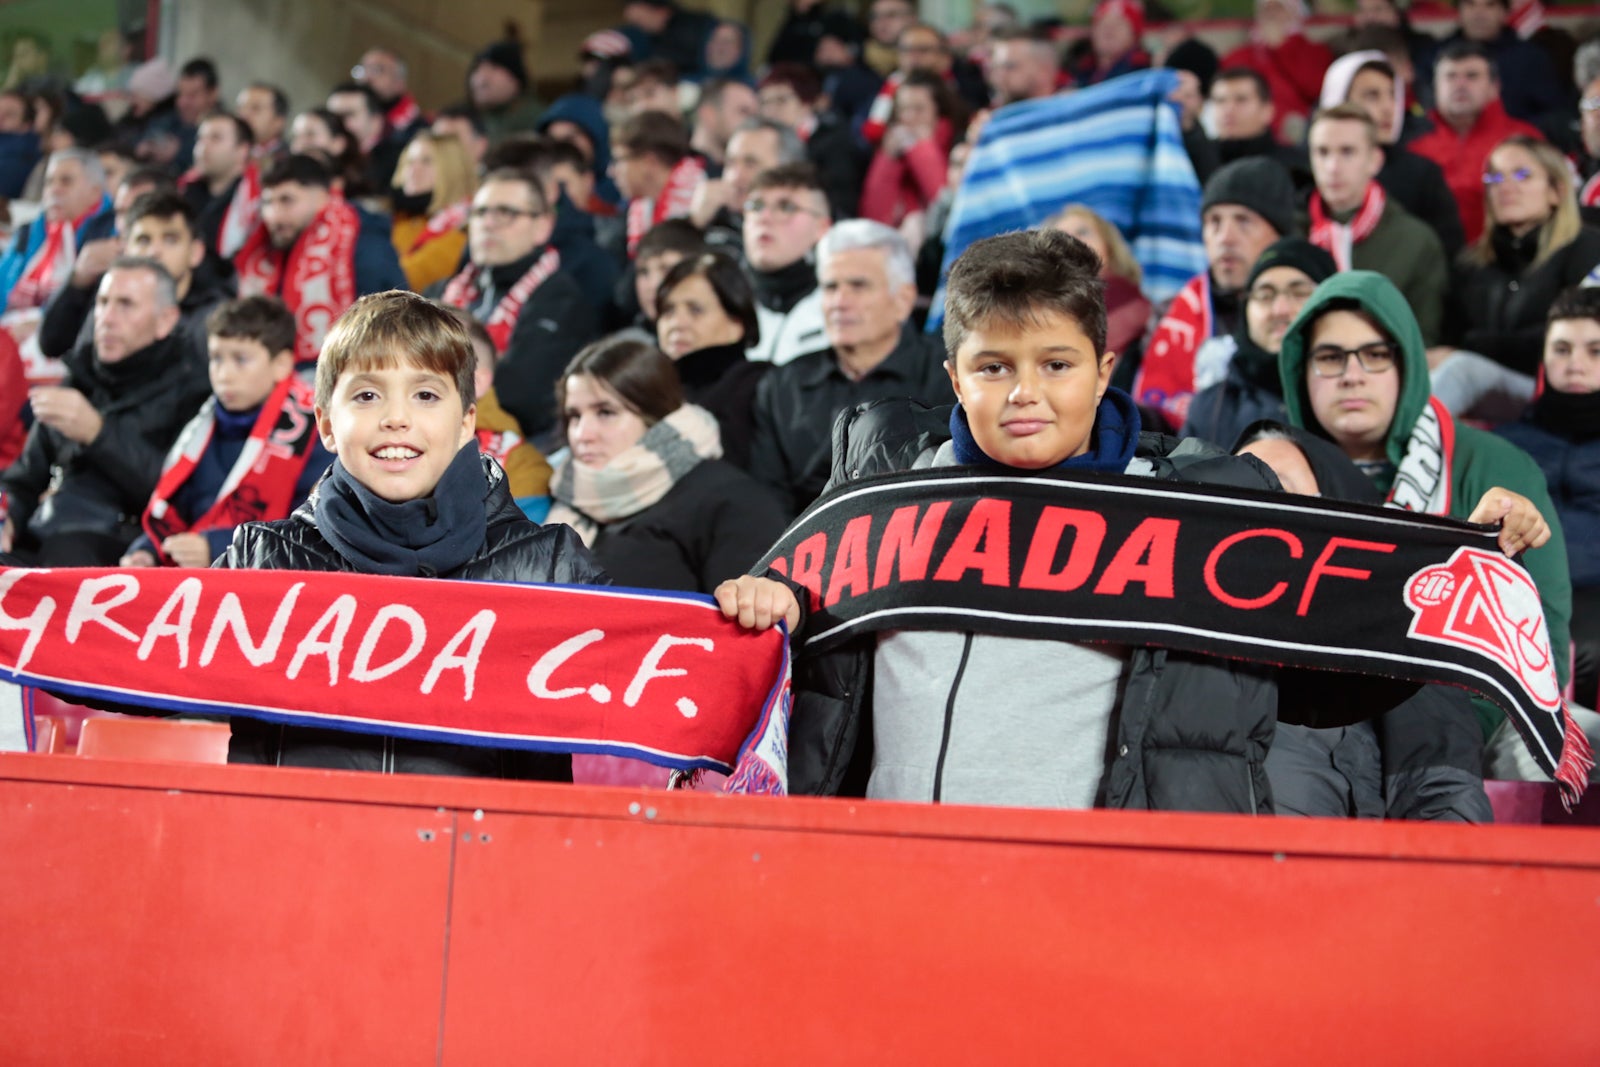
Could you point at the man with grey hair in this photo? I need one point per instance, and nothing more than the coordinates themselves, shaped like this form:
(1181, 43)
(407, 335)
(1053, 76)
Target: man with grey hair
(866, 278)
(95, 451)
(40, 259)
(1586, 72)
(718, 207)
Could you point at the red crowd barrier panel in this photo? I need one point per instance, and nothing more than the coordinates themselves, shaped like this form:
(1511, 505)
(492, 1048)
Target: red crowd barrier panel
(155, 913)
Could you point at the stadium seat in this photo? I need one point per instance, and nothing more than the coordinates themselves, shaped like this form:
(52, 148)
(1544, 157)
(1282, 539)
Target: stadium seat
(133, 738)
(49, 734)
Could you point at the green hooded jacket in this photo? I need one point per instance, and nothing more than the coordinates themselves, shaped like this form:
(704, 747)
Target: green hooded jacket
(1481, 461)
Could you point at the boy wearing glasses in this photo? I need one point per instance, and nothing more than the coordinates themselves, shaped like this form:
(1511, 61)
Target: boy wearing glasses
(1354, 370)
(536, 314)
(785, 215)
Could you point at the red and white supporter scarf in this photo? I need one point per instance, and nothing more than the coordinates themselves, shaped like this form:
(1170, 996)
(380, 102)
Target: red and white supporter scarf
(261, 484)
(1422, 481)
(317, 278)
(1166, 377)
(498, 444)
(463, 291)
(50, 266)
(1339, 239)
(686, 176)
(658, 677)
(404, 113)
(243, 214)
(445, 220)
(1589, 196)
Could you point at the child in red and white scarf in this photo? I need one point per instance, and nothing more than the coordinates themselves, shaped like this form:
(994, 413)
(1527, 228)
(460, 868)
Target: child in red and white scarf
(251, 454)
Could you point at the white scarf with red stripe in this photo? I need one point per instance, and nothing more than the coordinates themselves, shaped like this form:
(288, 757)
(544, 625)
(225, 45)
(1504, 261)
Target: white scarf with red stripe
(243, 215)
(404, 113)
(1339, 239)
(676, 195)
(50, 266)
(445, 220)
(316, 278)
(261, 484)
(464, 291)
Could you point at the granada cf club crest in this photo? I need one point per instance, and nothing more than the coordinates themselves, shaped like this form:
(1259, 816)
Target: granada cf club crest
(1485, 602)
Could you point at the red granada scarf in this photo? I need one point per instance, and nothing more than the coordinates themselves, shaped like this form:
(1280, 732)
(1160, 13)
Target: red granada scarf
(50, 266)
(445, 220)
(554, 668)
(317, 278)
(1339, 239)
(463, 291)
(261, 484)
(673, 203)
(1166, 377)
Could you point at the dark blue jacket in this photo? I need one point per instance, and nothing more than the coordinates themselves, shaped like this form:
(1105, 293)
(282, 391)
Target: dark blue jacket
(377, 263)
(583, 259)
(19, 154)
(1573, 470)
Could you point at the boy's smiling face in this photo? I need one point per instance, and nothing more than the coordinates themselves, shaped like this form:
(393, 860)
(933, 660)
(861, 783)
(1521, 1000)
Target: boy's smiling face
(396, 428)
(1030, 391)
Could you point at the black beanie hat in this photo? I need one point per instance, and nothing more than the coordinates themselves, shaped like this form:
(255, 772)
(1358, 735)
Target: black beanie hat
(1263, 185)
(1337, 477)
(507, 55)
(1196, 57)
(1296, 252)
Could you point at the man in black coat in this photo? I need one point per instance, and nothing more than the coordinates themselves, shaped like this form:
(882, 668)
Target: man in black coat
(514, 283)
(95, 451)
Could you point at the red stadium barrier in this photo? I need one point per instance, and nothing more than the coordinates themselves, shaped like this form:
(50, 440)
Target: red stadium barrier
(235, 915)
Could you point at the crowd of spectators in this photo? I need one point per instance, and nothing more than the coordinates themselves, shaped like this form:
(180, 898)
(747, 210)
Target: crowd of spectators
(684, 268)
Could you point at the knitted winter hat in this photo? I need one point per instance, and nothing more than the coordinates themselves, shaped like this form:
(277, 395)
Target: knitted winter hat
(1260, 184)
(507, 55)
(1296, 252)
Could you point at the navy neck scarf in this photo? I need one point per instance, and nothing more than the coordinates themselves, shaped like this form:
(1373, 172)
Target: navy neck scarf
(1111, 443)
(434, 535)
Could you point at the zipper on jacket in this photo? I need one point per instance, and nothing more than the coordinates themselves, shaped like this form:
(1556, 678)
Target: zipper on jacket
(1250, 780)
(949, 716)
(388, 755)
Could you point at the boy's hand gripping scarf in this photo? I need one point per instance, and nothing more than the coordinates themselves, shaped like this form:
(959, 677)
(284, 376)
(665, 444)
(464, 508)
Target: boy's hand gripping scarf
(262, 482)
(658, 677)
(1230, 573)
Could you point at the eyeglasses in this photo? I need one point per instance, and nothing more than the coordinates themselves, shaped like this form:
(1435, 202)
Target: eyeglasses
(1495, 177)
(1329, 361)
(787, 209)
(502, 213)
(1267, 295)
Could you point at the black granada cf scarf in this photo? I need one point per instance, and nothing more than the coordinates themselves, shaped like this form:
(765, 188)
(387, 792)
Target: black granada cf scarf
(1233, 573)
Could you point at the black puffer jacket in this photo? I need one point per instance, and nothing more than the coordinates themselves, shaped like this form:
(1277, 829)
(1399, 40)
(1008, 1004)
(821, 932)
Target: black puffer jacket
(1191, 733)
(514, 550)
(102, 487)
(1498, 308)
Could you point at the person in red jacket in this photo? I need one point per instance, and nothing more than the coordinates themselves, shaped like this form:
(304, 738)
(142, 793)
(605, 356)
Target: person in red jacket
(909, 168)
(1468, 122)
(1292, 63)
